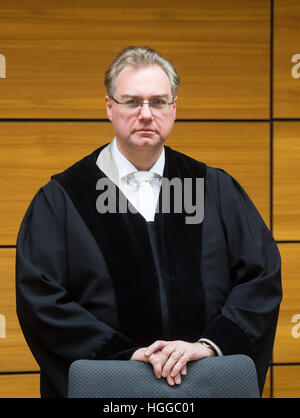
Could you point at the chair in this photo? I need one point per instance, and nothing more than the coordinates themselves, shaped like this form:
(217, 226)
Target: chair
(214, 377)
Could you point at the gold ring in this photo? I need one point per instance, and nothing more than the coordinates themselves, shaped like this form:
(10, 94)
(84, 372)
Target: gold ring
(187, 359)
(179, 353)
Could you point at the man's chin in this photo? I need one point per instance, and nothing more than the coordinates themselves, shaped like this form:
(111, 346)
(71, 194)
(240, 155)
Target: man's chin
(146, 138)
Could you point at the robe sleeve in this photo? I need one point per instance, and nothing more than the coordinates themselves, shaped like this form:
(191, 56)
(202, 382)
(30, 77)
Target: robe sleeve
(58, 329)
(246, 324)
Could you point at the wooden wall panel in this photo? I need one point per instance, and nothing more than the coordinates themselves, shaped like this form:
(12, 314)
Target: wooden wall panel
(31, 152)
(286, 49)
(57, 51)
(14, 352)
(267, 387)
(286, 381)
(287, 180)
(20, 385)
(287, 341)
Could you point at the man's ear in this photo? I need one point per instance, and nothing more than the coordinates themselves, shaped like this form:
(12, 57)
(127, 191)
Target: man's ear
(108, 107)
(175, 107)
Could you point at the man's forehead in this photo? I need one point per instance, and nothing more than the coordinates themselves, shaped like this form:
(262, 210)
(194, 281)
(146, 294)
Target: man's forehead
(151, 79)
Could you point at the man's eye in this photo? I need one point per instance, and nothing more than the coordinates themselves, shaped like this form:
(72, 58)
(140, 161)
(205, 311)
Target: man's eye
(133, 103)
(158, 102)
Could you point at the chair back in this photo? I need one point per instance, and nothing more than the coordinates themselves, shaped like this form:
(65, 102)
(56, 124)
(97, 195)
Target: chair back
(214, 377)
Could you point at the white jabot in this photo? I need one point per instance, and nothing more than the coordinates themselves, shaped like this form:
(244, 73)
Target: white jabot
(146, 199)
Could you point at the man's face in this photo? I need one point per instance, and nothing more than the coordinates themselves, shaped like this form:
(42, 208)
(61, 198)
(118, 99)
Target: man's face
(144, 127)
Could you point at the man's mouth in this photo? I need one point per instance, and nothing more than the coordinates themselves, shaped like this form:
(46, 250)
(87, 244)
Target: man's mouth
(145, 130)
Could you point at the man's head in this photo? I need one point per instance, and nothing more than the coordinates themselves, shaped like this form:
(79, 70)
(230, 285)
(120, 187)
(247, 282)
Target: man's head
(138, 57)
(137, 75)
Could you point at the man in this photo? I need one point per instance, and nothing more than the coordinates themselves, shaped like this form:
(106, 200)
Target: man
(98, 281)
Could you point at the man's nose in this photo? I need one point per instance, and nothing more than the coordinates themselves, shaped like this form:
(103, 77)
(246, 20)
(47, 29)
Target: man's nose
(145, 111)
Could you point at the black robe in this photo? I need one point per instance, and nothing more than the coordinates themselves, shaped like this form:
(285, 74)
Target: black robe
(99, 286)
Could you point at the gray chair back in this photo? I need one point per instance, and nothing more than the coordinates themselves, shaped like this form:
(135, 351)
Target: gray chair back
(213, 377)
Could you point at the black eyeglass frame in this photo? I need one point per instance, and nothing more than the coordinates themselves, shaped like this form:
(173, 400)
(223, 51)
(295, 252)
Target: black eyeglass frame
(142, 102)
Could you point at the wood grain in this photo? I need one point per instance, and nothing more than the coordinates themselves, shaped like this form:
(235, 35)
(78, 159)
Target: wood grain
(267, 387)
(286, 381)
(286, 180)
(286, 45)
(20, 386)
(57, 51)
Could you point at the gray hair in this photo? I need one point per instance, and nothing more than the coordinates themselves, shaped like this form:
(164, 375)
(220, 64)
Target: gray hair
(138, 57)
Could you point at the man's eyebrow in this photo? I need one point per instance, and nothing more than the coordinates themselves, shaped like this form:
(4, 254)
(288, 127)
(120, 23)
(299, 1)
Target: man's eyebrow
(159, 96)
(129, 96)
(134, 96)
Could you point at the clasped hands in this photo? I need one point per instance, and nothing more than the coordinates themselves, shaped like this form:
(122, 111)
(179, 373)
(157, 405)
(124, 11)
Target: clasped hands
(169, 358)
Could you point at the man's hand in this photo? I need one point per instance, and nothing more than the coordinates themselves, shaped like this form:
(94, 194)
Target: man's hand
(169, 358)
(157, 359)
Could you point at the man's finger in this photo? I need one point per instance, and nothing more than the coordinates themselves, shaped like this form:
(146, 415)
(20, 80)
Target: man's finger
(181, 363)
(156, 364)
(157, 345)
(184, 371)
(172, 360)
(177, 379)
(170, 380)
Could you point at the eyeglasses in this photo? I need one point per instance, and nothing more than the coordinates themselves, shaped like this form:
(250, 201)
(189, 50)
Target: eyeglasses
(134, 105)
